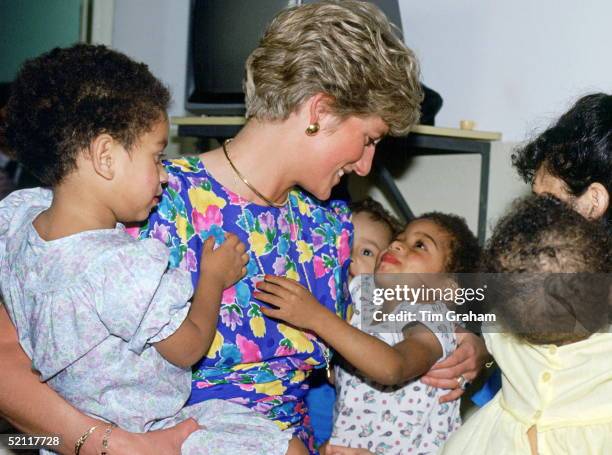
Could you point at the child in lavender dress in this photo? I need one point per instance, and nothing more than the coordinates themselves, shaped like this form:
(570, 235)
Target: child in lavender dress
(103, 320)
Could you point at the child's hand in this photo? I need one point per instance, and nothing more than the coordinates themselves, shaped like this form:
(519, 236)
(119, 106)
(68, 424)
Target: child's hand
(294, 303)
(226, 264)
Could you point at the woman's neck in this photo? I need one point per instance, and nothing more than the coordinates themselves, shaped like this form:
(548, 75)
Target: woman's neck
(263, 156)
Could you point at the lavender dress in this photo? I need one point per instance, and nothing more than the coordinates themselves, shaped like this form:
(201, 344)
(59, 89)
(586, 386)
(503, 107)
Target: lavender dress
(88, 308)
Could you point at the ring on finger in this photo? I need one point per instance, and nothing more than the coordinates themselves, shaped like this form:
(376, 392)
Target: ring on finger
(462, 381)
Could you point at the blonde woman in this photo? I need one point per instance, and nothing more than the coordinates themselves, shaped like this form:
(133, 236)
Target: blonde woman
(326, 83)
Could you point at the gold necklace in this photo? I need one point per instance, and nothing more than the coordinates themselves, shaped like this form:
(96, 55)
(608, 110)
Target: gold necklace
(245, 181)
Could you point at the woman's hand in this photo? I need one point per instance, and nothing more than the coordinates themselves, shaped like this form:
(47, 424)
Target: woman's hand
(32, 407)
(294, 303)
(467, 361)
(160, 442)
(226, 264)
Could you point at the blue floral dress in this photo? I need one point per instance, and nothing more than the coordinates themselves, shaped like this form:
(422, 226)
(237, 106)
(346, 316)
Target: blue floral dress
(256, 361)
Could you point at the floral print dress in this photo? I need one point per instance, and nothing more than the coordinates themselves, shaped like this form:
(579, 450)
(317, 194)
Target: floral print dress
(256, 361)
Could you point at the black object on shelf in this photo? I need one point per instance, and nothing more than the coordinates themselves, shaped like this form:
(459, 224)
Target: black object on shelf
(430, 106)
(216, 57)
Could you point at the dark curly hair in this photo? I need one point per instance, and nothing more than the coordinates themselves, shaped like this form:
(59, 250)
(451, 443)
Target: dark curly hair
(378, 213)
(61, 100)
(555, 264)
(577, 148)
(464, 248)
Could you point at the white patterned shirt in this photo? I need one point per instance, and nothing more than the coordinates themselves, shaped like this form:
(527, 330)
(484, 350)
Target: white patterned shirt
(404, 419)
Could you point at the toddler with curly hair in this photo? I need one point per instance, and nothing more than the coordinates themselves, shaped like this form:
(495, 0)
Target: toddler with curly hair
(382, 406)
(104, 321)
(551, 340)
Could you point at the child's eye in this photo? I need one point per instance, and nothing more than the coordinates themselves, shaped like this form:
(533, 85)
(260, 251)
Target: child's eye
(367, 252)
(160, 158)
(420, 245)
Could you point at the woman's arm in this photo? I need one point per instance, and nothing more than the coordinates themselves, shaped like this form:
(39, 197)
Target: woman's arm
(34, 408)
(29, 404)
(387, 365)
(467, 361)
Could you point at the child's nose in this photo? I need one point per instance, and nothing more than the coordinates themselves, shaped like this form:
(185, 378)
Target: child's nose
(352, 267)
(396, 245)
(163, 175)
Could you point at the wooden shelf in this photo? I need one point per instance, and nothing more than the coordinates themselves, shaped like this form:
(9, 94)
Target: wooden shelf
(421, 129)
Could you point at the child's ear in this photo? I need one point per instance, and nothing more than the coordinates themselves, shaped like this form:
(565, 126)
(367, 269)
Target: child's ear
(101, 154)
(594, 202)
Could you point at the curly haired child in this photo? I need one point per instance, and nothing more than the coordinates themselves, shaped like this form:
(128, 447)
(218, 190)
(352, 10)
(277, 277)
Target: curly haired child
(551, 340)
(382, 406)
(572, 160)
(105, 323)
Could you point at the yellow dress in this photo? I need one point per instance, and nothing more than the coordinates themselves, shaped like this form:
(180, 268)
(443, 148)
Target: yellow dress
(565, 391)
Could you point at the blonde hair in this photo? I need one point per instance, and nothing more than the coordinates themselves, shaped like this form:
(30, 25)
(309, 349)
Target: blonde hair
(345, 49)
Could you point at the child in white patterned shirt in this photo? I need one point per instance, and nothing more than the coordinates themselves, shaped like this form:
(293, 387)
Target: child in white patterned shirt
(382, 406)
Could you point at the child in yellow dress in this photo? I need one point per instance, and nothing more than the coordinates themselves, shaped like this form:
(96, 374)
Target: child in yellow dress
(555, 352)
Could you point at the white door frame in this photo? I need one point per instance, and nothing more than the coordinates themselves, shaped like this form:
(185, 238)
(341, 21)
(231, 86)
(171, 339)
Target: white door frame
(97, 17)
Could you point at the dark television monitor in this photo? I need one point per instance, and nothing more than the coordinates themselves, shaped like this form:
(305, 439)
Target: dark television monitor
(222, 35)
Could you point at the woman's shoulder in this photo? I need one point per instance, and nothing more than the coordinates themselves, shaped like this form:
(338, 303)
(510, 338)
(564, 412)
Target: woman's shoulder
(184, 165)
(189, 179)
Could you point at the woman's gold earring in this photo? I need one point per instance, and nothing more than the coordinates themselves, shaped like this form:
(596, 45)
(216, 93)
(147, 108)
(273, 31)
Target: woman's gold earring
(312, 129)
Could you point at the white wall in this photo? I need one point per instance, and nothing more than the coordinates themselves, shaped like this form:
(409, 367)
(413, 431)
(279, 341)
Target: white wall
(155, 32)
(510, 65)
(451, 184)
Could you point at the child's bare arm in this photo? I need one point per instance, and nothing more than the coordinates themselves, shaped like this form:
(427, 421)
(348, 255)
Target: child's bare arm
(388, 365)
(467, 361)
(219, 269)
(420, 348)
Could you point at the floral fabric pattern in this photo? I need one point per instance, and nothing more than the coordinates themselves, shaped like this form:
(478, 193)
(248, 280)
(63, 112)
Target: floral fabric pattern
(254, 360)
